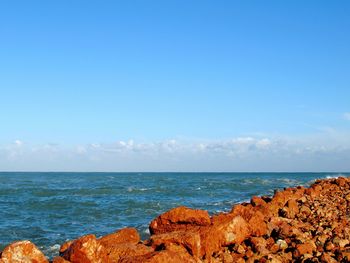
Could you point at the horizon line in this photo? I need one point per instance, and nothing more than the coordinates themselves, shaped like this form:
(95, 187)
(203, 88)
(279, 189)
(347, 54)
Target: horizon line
(336, 172)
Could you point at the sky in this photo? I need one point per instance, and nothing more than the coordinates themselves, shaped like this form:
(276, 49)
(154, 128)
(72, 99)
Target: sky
(174, 85)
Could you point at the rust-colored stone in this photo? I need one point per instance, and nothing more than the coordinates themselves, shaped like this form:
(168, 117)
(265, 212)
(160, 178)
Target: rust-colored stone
(65, 246)
(259, 245)
(257, 224)
(22, 252)
(126, 250)
(126, 235)
(86, 250)
(59, 260)
(191, 241)
(306, 248)
(292, 208)
(257, 201)
(180, 218)
(228, 230)
(327, 258)
(164, 256)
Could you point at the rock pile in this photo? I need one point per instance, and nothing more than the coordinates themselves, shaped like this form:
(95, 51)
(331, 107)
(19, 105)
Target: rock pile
(295, 225)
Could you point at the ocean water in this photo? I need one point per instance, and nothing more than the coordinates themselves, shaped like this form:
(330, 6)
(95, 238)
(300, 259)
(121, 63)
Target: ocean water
(51, 208)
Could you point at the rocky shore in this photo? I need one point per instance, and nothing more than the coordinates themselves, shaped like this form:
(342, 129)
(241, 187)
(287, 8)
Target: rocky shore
(295, 225)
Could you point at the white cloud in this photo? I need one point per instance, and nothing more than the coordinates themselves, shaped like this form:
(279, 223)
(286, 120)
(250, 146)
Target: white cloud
(346, 116)
(243, 140)
(263, 143)
(81, 150)
(317, 152)
(18, 143)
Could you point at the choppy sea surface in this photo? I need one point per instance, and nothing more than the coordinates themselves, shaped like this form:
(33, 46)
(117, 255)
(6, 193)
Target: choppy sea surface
(51, 208)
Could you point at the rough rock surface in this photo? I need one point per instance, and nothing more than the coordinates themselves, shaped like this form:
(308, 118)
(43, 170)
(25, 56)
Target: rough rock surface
(86, 249)
(59, 260)
(180, 218)
(22, 252)
(295, 225)
(126, 235)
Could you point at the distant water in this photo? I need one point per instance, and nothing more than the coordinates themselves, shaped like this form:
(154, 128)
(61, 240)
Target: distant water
(51, 208)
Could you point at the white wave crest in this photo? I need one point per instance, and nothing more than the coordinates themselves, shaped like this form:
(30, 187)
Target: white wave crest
(334, 176)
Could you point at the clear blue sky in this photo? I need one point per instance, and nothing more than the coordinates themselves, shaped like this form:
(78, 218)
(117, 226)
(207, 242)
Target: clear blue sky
(75, 73)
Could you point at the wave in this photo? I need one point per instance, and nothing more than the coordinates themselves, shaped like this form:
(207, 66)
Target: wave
(51, 250)
(132, 189)
(332, 176)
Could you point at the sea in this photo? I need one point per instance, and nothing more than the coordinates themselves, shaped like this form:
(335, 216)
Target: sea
(51, 208)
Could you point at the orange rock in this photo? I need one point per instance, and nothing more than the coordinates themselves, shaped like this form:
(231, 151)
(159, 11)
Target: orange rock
(126, 250)
(164, 256)
(235, 230)
(286, 230)
(341, 181)
(59, 260)
(299, 192)
(327, 258)
(226, 230)
(167, 256)
(270, 241)
(257, 201)
(287, 257)
(274, 248)
(123, 243)
(305, 210)
(22, 252)
(245, 211)
(180, 218)
(259, 245)
(313, 192)
(278, 223)
(225, 256)
(86, 250)
(65, 246)
(275, 258)
(126, 235)
(191, 241)
(292, 208)
(237, 257)
(346, 255)
(255, 216)
(306, 248)
(329, 246)
(273, 208)
(175, 248)
(281, 198)
(257, 224)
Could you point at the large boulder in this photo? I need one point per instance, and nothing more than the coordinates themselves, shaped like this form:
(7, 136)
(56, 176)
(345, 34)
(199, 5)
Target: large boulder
(190, 241)
(123, 244)
(126, 235)
(180, 218)
(226, 230)
(255, 216)
(86, 250)
(59, 260)
(126, 250)
(22, 252)
(178, 255)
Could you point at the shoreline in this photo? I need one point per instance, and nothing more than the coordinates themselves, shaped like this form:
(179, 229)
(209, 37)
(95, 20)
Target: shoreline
(296, 224)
